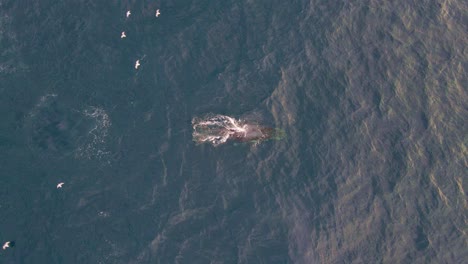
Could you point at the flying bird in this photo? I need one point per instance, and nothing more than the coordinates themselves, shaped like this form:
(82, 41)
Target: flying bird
(157, 13)
(60, 185)
(137, 64)
(123, 35)
(128, 13)
(7, 245)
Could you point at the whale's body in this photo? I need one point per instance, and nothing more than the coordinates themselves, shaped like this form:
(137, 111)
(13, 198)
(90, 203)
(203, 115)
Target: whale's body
(252, 133)
(220, 129)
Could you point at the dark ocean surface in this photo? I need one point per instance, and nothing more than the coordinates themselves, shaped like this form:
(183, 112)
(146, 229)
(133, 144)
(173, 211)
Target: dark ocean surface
(372, 97)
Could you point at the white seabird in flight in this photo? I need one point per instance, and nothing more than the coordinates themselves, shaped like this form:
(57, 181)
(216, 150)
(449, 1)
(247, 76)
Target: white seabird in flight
(6, 245)
(123, 35)
(157, 13)
(60, 185)
(128, 13)
(137, 64)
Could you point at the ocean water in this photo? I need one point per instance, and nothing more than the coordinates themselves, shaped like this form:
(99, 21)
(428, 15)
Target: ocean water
(371, 95)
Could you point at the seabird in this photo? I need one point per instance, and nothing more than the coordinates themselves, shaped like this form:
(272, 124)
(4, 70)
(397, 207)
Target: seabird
(137, 64)
(123, 35)
(60, 185)
(6, 245)
(157, 13)
(128, 13)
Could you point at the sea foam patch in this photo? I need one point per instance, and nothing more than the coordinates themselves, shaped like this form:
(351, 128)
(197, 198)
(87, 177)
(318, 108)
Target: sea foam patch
(55, 128)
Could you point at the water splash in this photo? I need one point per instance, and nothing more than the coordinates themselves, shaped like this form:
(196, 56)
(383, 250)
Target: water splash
(218, 129)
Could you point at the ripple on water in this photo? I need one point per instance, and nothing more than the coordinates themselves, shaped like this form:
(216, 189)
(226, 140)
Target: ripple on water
(57, 129)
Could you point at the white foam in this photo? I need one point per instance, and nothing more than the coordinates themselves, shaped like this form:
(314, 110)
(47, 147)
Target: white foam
(95, 143)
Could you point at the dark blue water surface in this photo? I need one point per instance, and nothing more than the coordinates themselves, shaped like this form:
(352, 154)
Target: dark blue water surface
(370, 94)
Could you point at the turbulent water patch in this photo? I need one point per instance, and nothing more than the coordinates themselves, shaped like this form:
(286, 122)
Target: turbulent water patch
(56, 129)
(94, 145)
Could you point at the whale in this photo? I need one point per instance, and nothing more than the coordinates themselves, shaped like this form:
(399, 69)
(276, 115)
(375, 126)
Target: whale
(220, 129)
(253, 133)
